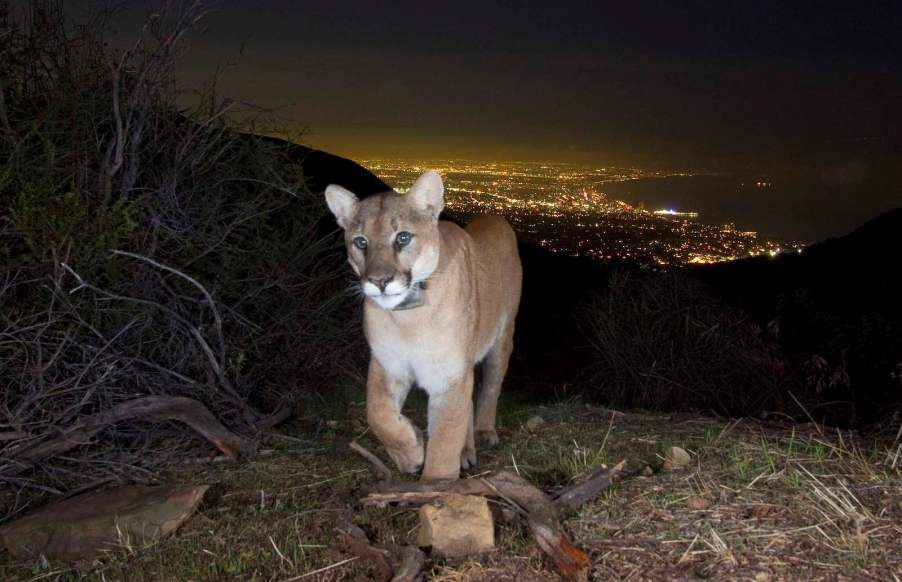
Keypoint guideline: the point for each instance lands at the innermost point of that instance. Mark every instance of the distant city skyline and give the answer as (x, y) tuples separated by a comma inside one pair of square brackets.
[(566, 208)]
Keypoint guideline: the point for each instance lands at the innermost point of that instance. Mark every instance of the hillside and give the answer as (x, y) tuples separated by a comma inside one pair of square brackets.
[(837, 301)]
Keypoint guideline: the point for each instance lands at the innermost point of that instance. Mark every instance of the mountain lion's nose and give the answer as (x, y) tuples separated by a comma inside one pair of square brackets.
[(381, 281)]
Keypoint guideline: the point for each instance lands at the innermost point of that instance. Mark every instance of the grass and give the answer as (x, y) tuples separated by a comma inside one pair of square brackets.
[(757, 502)]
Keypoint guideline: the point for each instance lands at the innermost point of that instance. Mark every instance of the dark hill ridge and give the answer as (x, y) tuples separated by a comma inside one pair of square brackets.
[(861, 265), (322, 168), (839, 301)]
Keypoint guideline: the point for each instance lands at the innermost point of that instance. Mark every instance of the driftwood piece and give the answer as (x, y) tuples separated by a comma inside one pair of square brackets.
[(578, 494), (540, 510), (393, 563), (186, 410), (92, 523)]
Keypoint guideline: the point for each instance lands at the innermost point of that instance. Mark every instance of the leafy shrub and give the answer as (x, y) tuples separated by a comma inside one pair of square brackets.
[(146, 249), (661, 341)]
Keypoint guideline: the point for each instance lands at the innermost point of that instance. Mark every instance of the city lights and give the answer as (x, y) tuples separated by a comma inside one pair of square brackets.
[(563, 208)]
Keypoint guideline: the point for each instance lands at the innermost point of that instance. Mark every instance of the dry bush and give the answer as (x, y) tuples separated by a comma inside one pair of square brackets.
[(662, 342), (146, 250)]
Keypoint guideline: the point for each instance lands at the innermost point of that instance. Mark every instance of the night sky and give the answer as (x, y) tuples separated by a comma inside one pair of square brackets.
[(761, 87)]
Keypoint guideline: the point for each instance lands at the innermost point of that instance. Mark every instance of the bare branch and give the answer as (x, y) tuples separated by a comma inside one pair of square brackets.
[(378, 466), (198, 286), (186, 410), (572, 497), (218, 371)]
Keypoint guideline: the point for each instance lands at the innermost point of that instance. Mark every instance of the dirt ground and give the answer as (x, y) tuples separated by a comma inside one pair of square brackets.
[(756, 502)]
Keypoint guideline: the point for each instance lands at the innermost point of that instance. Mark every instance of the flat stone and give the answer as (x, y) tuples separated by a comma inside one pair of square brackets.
[(89, 524), (676, 457), (457, 526), (534, 423)]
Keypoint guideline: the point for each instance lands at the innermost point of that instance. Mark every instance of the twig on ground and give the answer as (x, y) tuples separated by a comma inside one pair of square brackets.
[(576, 495), (378, 466), (321, 570)]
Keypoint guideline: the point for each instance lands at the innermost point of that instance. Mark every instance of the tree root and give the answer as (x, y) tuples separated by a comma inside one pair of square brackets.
[(393, 563)]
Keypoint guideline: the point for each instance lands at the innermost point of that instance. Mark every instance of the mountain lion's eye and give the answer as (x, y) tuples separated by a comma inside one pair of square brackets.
[(403, 238), (360, 243)]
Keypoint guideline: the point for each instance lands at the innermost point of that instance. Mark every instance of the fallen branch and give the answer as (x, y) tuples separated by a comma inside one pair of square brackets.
[(186, 410), (360, 546), (573, 497), (540, 510), (283, 413), (378, 466)]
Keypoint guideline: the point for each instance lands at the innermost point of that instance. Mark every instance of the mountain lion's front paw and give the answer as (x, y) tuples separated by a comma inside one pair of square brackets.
[(487, 437), (468, 458), (410, 458)]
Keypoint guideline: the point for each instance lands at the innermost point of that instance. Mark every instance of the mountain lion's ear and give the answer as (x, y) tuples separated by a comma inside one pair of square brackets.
[(342, 203), (427, 193)]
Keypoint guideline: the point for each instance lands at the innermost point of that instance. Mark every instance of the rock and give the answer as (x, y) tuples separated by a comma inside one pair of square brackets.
[(699, 503), (457, 526), (86, 525), (676, 457), (534, 423)]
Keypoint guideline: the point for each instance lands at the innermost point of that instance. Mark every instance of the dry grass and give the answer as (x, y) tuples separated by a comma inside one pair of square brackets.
[(756, 503)]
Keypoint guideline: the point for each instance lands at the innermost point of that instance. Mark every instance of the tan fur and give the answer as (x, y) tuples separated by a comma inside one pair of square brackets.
[(473, 279)]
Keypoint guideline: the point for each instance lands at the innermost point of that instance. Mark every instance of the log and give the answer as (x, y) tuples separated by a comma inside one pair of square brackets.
[(186, 410), (94, 523)]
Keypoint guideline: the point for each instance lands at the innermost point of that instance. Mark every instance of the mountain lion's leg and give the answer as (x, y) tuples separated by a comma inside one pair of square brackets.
[(449, 411), (494, 369), (468, 454), (384, 397)]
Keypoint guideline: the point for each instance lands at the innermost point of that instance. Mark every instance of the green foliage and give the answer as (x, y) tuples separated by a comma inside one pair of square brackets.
[(47, 219), (232, 294)]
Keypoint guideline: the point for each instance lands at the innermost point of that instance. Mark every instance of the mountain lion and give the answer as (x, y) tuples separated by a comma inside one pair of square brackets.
[(438, 300)]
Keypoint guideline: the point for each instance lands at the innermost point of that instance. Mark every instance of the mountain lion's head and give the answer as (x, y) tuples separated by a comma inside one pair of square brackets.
[(392, 239)]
